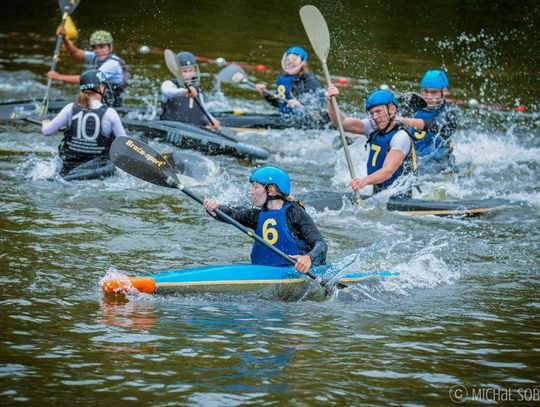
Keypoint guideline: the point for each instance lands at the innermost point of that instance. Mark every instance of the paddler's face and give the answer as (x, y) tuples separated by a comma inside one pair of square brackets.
[(101, 51), (188, 73), (258, 194), (381, 115), (293, 64), (434, 97)]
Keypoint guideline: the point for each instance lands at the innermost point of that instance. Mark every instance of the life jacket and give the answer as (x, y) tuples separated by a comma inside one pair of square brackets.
[(284, 92), (273, 228), (428, 143), (379, 147), (183, 108), (84, 139), (113, 91)]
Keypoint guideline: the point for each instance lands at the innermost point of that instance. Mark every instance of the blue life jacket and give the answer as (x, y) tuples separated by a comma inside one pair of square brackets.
[(284, 92), (379, 147), (272, 227), (428, 143)]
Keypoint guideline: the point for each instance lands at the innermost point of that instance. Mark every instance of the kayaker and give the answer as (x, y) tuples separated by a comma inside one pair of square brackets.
[(279, 219), (433, 126), (300, 95), (390, 153), (179, 102), (91, 126), (103, 59)]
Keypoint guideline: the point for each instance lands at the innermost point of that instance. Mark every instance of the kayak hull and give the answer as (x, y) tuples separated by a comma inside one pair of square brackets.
[(227, 278), (188, 136), (321, 200)]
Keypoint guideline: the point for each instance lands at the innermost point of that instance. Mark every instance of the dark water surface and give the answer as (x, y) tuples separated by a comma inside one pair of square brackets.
[(463, 312)]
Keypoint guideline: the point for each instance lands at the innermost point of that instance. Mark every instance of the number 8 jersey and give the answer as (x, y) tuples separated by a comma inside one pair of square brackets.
[(84, 138)]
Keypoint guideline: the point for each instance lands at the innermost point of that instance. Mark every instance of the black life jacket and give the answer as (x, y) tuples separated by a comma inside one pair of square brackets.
[(183, 108), (84, 139)]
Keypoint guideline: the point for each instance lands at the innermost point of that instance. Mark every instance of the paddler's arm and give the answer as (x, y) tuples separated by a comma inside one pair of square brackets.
[(246, 216), (303, 227), (214, 124), (62, 119), (350, 124), (70, 47), (55, 76), (418, 124)]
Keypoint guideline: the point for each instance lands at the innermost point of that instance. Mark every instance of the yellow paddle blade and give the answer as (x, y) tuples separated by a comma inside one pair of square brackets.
[(71, 31)]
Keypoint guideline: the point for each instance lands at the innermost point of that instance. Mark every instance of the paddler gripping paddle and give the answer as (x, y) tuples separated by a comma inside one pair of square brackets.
[(66, 7), (142, 161), (319, 37), (176, 70)]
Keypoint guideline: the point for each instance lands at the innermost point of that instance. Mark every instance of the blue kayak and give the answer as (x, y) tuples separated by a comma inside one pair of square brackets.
[(227, 278)]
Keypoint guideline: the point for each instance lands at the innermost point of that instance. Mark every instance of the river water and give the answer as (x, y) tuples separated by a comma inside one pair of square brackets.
[(464, 311)]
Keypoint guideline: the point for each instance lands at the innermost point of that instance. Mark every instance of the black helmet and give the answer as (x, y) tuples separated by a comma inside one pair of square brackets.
[(91, 79), (186, 59)]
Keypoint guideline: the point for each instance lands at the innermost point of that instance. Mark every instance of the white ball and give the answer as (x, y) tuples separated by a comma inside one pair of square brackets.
[(384, 87), (472, 102), (145, 49), (220, 61)]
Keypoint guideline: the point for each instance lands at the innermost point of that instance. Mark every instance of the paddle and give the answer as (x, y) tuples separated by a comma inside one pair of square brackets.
[(142, 161), (411, 102), (176, 70), (66, 7), (15, 116), (235, 75), (319, 36)]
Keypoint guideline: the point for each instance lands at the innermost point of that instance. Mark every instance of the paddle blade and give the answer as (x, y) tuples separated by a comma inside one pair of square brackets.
[(142, 161), (71, 30), (232, 74), (172, 64), (316, 30), (68, 5)]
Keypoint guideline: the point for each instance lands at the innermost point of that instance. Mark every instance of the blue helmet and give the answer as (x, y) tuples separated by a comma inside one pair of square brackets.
[(301, 52), (381, 97), (435, 79), (270, 175)]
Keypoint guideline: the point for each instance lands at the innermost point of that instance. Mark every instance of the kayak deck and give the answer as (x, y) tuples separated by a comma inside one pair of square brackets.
[(226, 278)]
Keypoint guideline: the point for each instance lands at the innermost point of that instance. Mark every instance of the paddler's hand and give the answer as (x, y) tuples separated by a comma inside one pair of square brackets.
[(55, 76), (261, 87), (191, 92), (303, 263), (332, 91), (215, 125), (61, 31), (210, 205), (358, 183), (293, 103)]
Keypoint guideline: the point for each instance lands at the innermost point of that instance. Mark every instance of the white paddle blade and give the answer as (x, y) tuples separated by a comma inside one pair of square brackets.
[(172, 63), (316, 30)]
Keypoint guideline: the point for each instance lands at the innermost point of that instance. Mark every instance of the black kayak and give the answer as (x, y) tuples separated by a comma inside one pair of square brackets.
[(321, 200), (98, 168), (192, 137), (265, 121)]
